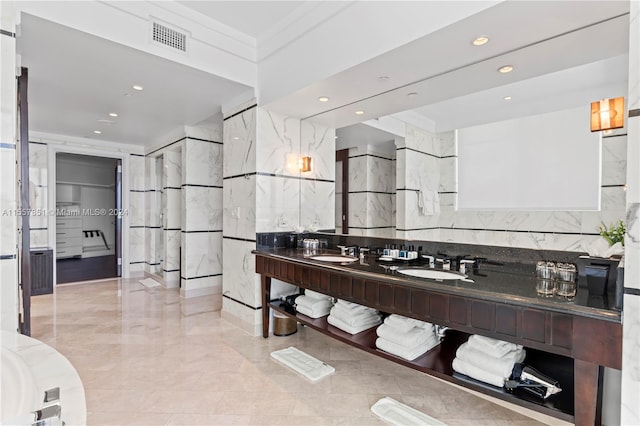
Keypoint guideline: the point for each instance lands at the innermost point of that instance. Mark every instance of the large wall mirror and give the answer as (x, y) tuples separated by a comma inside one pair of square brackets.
[(481, 151)]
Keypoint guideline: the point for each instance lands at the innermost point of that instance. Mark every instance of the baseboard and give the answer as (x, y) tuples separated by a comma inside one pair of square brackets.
[(202, 291), (252, 329)]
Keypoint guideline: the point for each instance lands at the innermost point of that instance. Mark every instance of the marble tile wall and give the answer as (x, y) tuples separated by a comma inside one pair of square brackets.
[(317, 187), (418, 162), (172, 216), (263, 191), (557, 230), (153, 224), (240, 284), (8, 223), (201, 228), (137, 213), (38, 191), (372, 192), (630, 409)]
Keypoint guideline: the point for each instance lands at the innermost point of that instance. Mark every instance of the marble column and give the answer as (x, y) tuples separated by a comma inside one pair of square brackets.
[(418, 174), (8, 175), (201, 235), (172, 216), (372, 192), (630, 409), (137, 203), (240, 284)]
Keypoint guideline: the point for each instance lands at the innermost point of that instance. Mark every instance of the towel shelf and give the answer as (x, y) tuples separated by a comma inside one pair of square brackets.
[(570, 347)]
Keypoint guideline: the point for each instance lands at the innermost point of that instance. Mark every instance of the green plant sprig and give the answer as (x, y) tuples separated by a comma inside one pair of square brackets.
[(613, 234)]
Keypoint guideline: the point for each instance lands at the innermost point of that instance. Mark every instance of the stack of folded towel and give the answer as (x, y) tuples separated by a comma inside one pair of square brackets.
[(313, 304), (405, 337), (488, 360), (353, 318)]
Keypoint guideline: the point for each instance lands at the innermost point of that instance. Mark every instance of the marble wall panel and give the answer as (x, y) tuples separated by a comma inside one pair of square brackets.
[(204, 208), (317, 208), (202, 163), (278, 145), (240, 144), (136, 208), (381, 174), (38, 168), (239, 211), (319, 142), (137, 172), (174, 213), (240, 281)]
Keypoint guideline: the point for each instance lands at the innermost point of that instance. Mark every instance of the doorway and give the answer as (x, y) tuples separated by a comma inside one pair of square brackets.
[(88, 235)]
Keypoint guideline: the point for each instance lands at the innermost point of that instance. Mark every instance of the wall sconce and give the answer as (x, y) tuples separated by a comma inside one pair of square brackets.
[(304, 164), (607, 114)]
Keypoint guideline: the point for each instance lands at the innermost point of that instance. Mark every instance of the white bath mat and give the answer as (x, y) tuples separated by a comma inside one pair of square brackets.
[(149, 283), (303, 363), (397, 413)]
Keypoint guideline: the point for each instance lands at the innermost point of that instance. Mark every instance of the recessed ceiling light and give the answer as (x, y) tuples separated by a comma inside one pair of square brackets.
[(505, 69), (323, 99), (127, 95), (359, 112), (235, 138), (412, 94), (97, 132), (113, 114), (335, 137), (105, 121), (480, 41), (383, 78), (507, 98), (137, 87)]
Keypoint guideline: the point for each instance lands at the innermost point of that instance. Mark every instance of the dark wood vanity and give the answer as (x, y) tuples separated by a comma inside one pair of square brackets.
[(567, 342)]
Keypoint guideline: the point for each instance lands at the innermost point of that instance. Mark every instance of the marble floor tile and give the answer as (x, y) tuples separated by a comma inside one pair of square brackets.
[(149, 357)]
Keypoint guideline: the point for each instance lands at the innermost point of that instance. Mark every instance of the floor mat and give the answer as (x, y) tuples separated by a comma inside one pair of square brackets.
[(397, 413), (303, 363), (149, 283)]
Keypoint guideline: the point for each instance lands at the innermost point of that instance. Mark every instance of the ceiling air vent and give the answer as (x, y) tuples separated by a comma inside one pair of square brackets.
[(169, 37)]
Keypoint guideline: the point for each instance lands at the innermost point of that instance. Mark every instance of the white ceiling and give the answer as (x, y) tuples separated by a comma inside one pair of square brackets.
[(254, 18), (538, 38), (76, 79), (360, 135)]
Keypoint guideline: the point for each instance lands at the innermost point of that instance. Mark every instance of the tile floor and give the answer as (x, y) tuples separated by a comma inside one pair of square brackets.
[(148, 357)]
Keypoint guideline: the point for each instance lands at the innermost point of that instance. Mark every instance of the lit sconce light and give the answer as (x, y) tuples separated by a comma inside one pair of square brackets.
[(607, 114), (304, 164)]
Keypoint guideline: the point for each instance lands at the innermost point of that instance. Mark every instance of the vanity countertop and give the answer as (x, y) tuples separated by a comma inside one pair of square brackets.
[(506, 283)]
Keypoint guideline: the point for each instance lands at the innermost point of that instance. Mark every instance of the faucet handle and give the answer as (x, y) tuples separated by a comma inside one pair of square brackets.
[(343, 249), (463, 265)]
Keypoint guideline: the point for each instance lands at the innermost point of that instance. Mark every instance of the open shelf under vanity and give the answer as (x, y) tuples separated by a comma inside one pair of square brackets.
[(437, 362)]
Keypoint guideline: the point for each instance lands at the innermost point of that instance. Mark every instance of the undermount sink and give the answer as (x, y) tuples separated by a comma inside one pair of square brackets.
[(434, 274), (333, 258)]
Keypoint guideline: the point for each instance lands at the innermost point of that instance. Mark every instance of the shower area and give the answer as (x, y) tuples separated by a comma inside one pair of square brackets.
[(164, 216)]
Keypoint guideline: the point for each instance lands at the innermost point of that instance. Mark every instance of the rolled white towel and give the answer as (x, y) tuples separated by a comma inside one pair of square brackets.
[(413, 337), (477, 373), (313, 312), (351, 329), (316, 295), (311, 303), (502, 366), (496, 348), (408, 353), (355, 317), (405, 324)]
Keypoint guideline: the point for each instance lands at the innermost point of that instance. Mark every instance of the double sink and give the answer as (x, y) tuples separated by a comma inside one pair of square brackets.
[(433, 274)]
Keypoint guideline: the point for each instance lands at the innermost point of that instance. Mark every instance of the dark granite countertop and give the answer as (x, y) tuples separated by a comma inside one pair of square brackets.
[(505, 283)]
